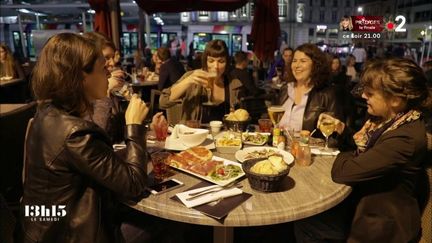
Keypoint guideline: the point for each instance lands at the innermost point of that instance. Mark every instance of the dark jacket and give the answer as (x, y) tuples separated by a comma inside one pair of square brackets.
[(71, 162), (169, 73), (387, 179), (320, 99), (248, 85)]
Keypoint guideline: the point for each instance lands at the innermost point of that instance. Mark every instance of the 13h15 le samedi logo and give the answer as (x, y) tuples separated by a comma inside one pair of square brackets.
[(44, 213)]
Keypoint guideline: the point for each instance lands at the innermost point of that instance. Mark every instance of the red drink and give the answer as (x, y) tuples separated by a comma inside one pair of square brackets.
[(265, 125), (161, 131), (160, 168)]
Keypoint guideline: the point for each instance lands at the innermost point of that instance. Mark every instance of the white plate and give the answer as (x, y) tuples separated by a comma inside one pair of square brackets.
[(177, 145), (241, 154), (254, 133), (208, 178)]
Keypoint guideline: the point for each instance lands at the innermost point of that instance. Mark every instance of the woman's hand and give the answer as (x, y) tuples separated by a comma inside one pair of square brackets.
[(157, 119), (116, 80), (199, 77), (339, 126), (136, 112)]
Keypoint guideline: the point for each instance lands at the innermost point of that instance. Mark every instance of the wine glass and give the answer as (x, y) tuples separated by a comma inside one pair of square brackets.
[(327, 127)]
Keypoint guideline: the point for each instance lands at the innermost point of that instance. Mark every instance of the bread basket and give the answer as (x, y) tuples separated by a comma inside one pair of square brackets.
[(262, 182)]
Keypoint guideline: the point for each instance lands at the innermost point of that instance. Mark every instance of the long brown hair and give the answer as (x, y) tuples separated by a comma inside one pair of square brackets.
[(320, 64), (59, 72), (399, 77), (8, 66)]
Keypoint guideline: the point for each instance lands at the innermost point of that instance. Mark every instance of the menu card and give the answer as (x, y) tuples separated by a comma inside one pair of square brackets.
[(220, 209)]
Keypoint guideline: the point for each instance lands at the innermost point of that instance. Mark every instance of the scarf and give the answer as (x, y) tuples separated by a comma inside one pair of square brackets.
[(372, 130)]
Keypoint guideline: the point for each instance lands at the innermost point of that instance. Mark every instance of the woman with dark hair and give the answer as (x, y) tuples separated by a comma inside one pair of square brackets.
[(71, 165), (308, 96), (209, 84), (386, 169)]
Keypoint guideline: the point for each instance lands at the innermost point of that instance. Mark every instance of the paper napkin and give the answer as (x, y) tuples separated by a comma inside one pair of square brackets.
[(318, 151), (210, 197)]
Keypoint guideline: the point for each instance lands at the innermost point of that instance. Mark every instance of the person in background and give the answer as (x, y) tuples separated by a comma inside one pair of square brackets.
[(351, 72), (386, 165), (138, 59), (195, 88), (117, 76), (156, 63), (240, 72), (171, 70), (74, 164), (9, 67), (117, 58), (309, 95), (337, 72), (360, 56), (285, 65)]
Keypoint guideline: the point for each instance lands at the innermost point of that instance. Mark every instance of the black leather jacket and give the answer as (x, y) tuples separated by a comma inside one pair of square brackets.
[(320, 99), (71, 162)]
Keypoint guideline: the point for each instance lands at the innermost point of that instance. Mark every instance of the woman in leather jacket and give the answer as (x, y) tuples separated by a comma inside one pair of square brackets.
[(306, 98), (71, 168)]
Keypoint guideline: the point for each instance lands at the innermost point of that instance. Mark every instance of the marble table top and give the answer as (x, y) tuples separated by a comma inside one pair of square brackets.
[(306, 191)]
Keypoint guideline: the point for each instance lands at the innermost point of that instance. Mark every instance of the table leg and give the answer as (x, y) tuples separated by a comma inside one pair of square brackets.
[(223, 234)]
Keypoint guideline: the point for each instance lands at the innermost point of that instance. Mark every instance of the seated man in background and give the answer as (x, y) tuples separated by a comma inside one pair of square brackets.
[(241, 80), (171, 70)]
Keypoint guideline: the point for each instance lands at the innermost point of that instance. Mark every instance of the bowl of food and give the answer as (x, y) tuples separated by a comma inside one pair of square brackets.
[(228, 142), (237, 120), (266, 175), (192, 137)]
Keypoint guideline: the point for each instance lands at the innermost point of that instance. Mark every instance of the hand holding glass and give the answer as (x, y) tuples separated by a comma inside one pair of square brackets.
[(327, 127)]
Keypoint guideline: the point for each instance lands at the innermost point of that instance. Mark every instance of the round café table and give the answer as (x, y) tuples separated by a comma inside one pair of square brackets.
[(306, 191)]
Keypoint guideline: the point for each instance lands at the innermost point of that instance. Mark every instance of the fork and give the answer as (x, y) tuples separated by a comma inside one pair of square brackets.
[(209, 191), (232, 184)]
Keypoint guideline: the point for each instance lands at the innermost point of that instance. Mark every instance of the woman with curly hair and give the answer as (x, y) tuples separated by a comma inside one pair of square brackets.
[(308, 96), (385, 168)]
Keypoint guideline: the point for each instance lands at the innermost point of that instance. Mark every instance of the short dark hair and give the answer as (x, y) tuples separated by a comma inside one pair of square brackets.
[(240, 57), (320, 65), (163, 53), (59, 71), (215, 48)]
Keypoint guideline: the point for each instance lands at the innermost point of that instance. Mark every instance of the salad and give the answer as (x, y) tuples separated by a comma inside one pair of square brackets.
[(255, 138), (225, 172)]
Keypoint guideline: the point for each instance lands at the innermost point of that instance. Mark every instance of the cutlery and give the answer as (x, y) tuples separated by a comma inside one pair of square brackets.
[(209, 191), (213, 187)]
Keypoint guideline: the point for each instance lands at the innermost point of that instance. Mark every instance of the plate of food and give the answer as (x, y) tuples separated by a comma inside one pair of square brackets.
[(255, 138), (200, 162), (263, 152)]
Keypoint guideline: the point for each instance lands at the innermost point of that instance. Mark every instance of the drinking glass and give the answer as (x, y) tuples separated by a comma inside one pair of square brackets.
[(161, 130), (327, 127), (265, 125), (159, 162)]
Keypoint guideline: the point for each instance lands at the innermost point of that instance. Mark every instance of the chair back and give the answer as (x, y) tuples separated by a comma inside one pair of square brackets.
[(154, 101), (12, 135), (24, 171), (426, 220), (174, 113)]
